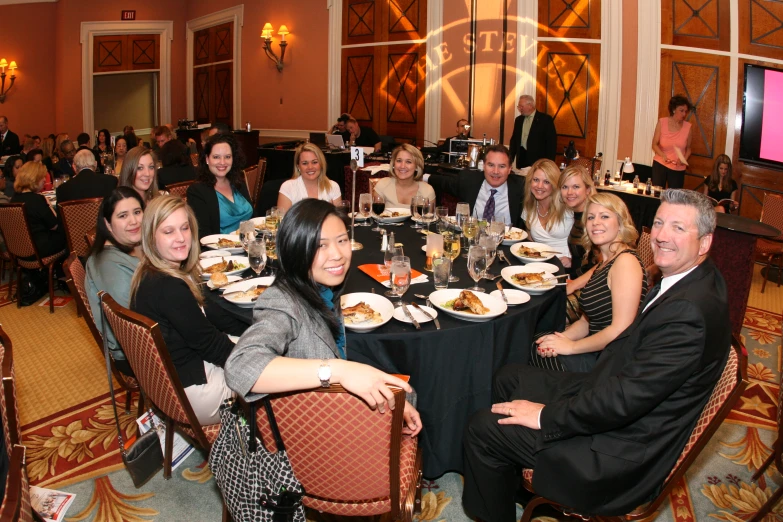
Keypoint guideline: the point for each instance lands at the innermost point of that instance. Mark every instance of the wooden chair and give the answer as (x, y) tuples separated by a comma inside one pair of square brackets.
[(254, 179), (149, 358), (772, 214), (89, 238), (362, 183), (372, 468), (587, 163), (646, 254), (16, 231), (75, 274), (5, 262), (179, 189), (79, 217), (726, 393)]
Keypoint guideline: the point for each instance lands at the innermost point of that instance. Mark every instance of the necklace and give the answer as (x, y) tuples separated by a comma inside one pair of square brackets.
[(539, 212)]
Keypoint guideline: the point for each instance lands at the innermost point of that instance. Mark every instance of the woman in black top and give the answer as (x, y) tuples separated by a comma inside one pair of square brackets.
[(165, 288), (47, 234), (177, 166), (10, 170), (103, 142), (721, 185)]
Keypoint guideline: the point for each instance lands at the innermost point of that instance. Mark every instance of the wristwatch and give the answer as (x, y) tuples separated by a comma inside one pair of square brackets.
[(324, 373)]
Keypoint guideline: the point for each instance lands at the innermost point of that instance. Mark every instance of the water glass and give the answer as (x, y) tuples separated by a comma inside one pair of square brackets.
[(343, 206), (490, 245), (442, 213), (365, 207), (256, 254), (391, 252), (417, 202), (441, 270), (428, 212), (400, 275), (247, 233), (477, 264)]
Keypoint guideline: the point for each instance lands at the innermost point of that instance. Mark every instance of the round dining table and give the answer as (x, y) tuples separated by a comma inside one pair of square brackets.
[(451, 369)]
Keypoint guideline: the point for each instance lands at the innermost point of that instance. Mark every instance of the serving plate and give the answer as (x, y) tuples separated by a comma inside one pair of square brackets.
[(495, 304), (535, 246), (231, 279), (509, 271), (405, 213), (211, 242), (245, 302), (376, 302), (243, 260), (507, 241)]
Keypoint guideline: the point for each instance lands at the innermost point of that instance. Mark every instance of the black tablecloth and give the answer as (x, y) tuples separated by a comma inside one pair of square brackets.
[(641, 207), (450, 369)]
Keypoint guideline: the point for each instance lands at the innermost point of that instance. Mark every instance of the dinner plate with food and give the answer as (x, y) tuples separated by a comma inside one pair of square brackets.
[(220, 280), (528, 252), (245, 293), (530, 280), (467, 305), (228, 242), (230, 265), (364, 312), (395, 215), (214, 253), (514, 235)]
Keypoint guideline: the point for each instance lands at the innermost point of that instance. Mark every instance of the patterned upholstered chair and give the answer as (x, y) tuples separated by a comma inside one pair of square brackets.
[(18, 239), (587, 163), (89, 238), (149, 358), (772, 214), (362, 183), (194, 159), (16, 502), (179, 189), (79, 217), (726, 393), (5, 262), (372, 468), (646, 254), (74, 273)]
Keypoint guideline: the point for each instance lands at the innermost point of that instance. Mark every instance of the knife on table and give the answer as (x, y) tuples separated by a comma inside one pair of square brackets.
[(502, 293), (409, 315), (425, 312)]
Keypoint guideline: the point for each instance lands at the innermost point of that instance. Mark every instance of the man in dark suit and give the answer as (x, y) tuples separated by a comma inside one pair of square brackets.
[(534, 135), (64, 167), (493, 193), (9, 142), (87, 183), (603, 442), (83, 141)]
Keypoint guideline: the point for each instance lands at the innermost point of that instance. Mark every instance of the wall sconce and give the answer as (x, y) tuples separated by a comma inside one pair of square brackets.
[(12, 68), (266, 34)]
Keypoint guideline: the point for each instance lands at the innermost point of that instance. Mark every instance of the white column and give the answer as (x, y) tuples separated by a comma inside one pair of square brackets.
[(648, 80), (432, 103), (335, 8), (731, 116), (611, 82), (526, 63)]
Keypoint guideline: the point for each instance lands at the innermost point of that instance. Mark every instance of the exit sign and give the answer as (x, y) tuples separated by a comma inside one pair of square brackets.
[(128, 15)]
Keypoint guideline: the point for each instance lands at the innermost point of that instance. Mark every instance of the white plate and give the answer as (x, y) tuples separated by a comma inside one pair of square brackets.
[(509, 271), (231, 279), (259, 222), (211, 242), (399, 314), (212, 260), (496, 305), (377, 302), (245, 302), (543, 267), (405, 214), (512, 241), (536, 246), (515, 297), (359, 216), (214, 253)]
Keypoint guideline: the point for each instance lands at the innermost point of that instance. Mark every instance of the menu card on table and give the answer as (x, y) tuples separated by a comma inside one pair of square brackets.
[(381, 274)]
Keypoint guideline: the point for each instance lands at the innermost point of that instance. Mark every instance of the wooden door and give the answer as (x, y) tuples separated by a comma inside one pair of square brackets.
[(213, 73)]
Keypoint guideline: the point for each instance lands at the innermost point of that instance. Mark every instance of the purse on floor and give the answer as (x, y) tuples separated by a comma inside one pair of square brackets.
[(256, 485), (145, 457)]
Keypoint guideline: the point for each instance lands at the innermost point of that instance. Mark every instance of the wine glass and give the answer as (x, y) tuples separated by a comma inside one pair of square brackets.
[(451, 248), (400, 276), (442, 213), (378, 206), (428, 212), (489, 243), (247, 233), (272, 220), (417, 202), (365, 206), (391, 252), (477, 263), (463, 210), (256, 255), (469, 229), (344, 206)]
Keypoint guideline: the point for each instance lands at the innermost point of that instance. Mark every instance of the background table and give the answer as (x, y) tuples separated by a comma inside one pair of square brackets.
[(451, 369)]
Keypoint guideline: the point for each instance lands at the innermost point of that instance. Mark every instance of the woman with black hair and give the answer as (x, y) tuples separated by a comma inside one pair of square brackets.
[(103, 141), (297, 341), (114, 257), (175, 157), (672, 144), (10, 169), (219, 197)]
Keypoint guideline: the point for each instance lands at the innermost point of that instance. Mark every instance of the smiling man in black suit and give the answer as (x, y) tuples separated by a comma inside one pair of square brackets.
[(534, 135), (602, 443)]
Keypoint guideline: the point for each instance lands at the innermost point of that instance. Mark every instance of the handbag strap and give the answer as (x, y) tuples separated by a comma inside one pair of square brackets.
[(273, 424)]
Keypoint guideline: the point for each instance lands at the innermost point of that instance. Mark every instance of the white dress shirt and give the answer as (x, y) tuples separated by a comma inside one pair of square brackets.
[(502, 211), (666, 283)]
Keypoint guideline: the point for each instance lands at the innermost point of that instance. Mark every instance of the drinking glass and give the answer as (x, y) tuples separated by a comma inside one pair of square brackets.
[(400, 276), (463, 210), (428, 212), (391, 252), (451, 248), (272, 220), (256, 255), (365, 206), (469, 229), (441, 267), (442, 213), (477, 263), (344, 206), (490, 246), (378, 206), (247, 233), (417, 202)]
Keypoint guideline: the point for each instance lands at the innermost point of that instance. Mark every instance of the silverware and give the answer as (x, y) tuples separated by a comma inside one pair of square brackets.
[(422, 296), (491, 277), (502, 293), (372, 290), (425, 312), (409, 315), (503, 257)]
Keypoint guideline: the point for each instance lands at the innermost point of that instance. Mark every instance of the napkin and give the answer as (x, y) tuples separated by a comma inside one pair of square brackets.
[(375, 169)]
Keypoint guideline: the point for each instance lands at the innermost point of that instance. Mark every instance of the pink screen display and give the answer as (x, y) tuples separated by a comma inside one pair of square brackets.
[(772, 123)]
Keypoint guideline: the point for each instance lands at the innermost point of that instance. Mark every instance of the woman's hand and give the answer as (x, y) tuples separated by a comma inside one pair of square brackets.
[(412, 420), (368, 383), (555, 344), (566, 261)]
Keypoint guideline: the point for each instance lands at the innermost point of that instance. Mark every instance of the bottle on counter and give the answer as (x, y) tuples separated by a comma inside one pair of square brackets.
[(636, 181), (562, 166), (608, 178), (648, 188)]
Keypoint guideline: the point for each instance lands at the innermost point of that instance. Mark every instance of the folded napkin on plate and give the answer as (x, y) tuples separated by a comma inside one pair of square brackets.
[(381, 274), (375, 169)]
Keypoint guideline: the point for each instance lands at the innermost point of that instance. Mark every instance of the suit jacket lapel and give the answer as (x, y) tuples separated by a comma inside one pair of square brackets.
[(323, 333)]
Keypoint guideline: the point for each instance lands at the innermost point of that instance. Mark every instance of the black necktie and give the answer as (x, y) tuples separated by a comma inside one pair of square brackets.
[(652, 294)]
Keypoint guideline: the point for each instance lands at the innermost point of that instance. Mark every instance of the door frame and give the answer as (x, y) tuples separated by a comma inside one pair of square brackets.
[(232, 14), (91, 29)]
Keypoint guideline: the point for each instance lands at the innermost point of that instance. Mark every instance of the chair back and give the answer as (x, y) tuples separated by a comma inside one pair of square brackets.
[(587, 163), (15, 230), (251, 178), (772, 212), (179, 189), (644, 249), (74, 278), (194, 159), (8, 404), (256, 194), (361, 446), (362, 183), (16, 502), (146, 351), (79, 217), (89, 238)]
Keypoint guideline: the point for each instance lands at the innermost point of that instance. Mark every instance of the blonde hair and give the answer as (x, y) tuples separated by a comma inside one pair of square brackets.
[(29, 176), (189, 271), (47, 147), (557, 208), (627, 234), (323, 180), (576, 170), (418, 159), (128, 171)]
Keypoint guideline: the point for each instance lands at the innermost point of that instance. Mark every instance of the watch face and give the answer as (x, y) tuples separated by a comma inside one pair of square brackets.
[(324, 373)]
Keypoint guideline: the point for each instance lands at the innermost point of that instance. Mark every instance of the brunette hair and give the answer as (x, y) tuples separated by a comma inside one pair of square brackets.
[(678, 100), (714, 182), (105, 213), (235, 176), (128, 171)]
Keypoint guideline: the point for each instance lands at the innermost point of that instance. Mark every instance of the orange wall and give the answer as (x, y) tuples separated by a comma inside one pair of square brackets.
[(628, 92), (30, 104)]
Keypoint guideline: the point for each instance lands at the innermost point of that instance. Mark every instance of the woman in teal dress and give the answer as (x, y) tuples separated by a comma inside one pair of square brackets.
[(219, 197)]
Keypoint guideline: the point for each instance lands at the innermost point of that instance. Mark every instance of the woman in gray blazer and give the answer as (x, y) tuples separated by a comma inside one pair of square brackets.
[(297, 341)]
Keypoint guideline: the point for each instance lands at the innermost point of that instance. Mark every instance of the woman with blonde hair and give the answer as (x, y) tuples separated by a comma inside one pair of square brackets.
[(546, 217), (721, 185), (49, 158), (45, 228), (140, 172), (611, 297), (309, 179), (575, 186), (165, 287), (63, 136), (407, 168)]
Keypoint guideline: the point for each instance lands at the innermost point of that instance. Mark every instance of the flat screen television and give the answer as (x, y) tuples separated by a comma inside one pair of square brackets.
[(761, 141)]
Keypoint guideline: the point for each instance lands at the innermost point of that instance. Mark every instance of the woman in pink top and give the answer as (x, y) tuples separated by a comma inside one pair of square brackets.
[(671, 134)]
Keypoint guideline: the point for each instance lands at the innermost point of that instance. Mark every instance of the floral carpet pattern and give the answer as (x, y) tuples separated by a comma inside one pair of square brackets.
[(79, 444)]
